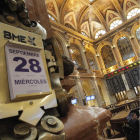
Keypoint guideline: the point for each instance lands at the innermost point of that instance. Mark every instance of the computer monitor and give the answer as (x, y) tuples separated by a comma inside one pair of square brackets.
[(74, 101), (92, 97), (88, 98)]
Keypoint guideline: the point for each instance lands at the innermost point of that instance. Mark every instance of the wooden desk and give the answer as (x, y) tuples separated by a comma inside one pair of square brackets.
[(118, 120), (121, 117)]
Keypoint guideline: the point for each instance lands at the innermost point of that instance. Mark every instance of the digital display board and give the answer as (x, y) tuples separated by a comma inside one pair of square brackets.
[(92, 97)]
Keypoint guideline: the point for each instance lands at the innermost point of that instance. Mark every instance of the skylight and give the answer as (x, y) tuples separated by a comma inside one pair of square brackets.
[(133, 12), (99, 33), (115, 24)]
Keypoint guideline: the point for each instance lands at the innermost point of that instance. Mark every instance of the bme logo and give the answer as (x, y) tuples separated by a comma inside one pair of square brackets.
[(20, 38)]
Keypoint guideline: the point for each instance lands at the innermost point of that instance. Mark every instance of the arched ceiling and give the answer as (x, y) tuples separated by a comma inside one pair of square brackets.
[(96, 14)]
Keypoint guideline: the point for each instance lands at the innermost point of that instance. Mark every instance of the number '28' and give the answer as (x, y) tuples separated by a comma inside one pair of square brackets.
[(34, 65)]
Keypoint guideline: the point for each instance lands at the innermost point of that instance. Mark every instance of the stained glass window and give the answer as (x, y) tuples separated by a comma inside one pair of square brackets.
[(133, 12), (115, 24), (108, 56), (91, 60), (125, 48), (83, 33), (51, 17), (138, 34), (99, 33)]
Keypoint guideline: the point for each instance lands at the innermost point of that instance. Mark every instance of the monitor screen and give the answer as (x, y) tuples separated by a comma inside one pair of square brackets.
[(92, 97), (88, 98), (74, 101)]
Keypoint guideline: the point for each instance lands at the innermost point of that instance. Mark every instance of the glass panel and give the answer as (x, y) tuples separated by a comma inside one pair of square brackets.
[(108, 56), (138, 34), (125, 48)]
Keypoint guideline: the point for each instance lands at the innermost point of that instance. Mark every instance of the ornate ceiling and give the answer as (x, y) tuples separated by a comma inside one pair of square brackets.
[(89, 17)]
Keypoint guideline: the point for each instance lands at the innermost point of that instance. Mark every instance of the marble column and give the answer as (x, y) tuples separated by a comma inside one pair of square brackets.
[(115, 56), (134, 48), (88, 65), (84, 58), (119, 57), (100, 63), (97, 92), (80, 93)]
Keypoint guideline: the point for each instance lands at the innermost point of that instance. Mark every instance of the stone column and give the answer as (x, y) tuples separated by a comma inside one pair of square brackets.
[(115, 56), (100, 63), (88, 69), (80, 94), (135, 49), (84, 58), (119, 57), (97, 92)]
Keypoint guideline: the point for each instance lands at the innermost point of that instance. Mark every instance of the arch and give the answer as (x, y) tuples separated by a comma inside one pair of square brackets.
[(62, 40), (83, 12), (115, 39), (89, 90), (85, 28), (133, 35), (53, 10), (108, 56), (104, 43), (126, 10), (70, 19), (91, 59), (99, 33), (112, 16), (74, 91), (81, 49), (115, 23), (93, 51), (99, 54), (98, 27)]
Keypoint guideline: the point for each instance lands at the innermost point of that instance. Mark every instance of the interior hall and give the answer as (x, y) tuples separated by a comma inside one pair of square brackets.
[(89, 53)]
